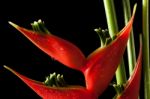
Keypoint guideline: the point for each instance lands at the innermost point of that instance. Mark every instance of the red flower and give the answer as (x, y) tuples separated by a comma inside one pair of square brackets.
[(98, 68), (46, 92), (132, 87), (58, 48)]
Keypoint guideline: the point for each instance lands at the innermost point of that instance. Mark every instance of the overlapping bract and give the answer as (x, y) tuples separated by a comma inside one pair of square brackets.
[(98, 68), (132, 87)]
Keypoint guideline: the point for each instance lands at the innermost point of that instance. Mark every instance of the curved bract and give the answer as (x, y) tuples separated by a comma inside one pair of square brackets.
[(132, 87), (98, 69), (56, 47), (103, 62), (70, 92)]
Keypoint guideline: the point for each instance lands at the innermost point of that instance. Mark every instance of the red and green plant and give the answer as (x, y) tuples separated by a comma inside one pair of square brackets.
[(99, 67)]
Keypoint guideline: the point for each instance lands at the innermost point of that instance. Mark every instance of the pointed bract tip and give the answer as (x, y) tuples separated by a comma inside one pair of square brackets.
[(13, 24), (8, 68), (134, 8), (5, 66)]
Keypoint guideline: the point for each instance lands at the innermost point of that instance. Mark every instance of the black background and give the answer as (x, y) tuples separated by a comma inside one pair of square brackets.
[(73, 20)]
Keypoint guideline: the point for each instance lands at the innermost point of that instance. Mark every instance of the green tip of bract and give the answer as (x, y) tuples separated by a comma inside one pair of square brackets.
[(6, 67), (135, 7), (13, 24)]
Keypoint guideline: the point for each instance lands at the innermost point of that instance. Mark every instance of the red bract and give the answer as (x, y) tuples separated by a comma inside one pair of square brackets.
[(133, 85), (58, 48), (103, 62), (98, 69), (46, 92)]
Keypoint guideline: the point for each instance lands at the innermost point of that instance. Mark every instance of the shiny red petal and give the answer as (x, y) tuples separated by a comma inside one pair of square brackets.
[(133, 85), (103, 62), (70, 92), (58, 48)]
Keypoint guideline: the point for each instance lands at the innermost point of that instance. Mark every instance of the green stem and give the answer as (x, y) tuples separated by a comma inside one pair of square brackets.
[(146, 59), (121, 74), (130, 44), (113, 28), (111, 17)]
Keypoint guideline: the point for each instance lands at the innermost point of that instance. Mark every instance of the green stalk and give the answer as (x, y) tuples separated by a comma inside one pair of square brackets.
[(130, 44), (146, 59), (113, 28)]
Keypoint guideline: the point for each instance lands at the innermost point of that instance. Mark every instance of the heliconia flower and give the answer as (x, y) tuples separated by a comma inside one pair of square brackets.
[(46, 92), (102, 63), (98, 68), (132, 86), (56, 47)]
